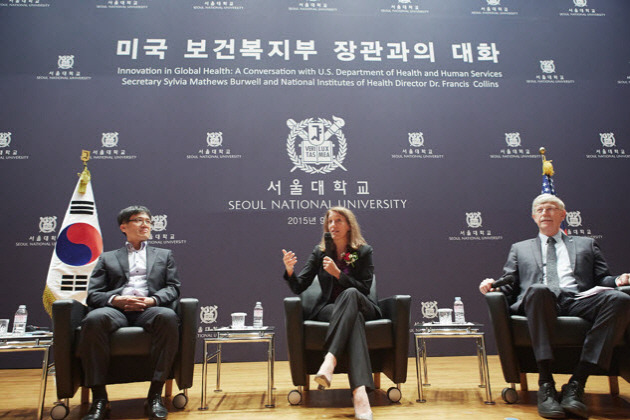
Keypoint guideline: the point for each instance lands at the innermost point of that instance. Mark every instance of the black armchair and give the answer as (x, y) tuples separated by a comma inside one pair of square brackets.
[(517, 356), (387, 338), (130, 350)]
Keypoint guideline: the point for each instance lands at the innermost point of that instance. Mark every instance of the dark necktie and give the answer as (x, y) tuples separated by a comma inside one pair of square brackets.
[(553, 282)]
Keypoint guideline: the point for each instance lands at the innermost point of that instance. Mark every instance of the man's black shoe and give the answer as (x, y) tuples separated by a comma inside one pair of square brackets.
[(98, 411), (572, 399), (548, 405), (155, 407)]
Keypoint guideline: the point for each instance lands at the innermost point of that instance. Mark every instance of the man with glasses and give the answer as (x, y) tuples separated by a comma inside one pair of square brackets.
[(550, 270), (132, 286)]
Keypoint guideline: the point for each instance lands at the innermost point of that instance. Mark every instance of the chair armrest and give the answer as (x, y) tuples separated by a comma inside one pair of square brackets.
[(625, 289), (398, 309), (502, 328), (66, 315), (294, 326), (185, 366)]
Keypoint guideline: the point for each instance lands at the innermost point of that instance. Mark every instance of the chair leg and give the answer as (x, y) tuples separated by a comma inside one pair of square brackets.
[(524, 386), (613, 382), (168, 388), (307, 387), (377, 380), (85, 395)]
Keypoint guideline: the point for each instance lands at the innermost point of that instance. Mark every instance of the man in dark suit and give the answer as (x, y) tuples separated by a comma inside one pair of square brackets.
[(550, 270), (132, 286)]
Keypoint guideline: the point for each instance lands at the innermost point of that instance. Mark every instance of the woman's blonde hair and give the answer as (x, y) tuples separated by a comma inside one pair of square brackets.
[(355, 239)]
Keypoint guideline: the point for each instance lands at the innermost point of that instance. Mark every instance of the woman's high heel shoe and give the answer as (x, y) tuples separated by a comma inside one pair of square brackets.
[(323, 380), (368, 416)]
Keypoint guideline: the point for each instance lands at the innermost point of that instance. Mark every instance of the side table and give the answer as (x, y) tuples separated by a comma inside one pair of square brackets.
[(424, 331), (39, 341), (244, 335)]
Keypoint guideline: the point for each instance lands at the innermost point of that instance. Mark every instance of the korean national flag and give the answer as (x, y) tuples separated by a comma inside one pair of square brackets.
[(79, 244)]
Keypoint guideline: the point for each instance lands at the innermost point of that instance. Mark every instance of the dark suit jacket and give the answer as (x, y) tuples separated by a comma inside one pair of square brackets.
[(359, 277), (525, 264), (111, 273)]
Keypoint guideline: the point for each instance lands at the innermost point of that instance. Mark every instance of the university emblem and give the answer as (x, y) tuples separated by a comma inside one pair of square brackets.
[(5, 139), (214, 139), (159, 222), (65, 62), (47, 224), (574, 219), (547, 66), (208, 314), (416, 139), (579, 3), (109, 139), (513, 139), (473, 220), (315, 154), (494, 2), (429, 309), (607, 139)]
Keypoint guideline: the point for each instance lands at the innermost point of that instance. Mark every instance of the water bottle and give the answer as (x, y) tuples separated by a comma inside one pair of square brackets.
[(258, 315), (19, 321), (458, 309)]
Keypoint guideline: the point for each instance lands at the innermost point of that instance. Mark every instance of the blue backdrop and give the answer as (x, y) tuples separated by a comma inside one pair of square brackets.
[(239, 122)]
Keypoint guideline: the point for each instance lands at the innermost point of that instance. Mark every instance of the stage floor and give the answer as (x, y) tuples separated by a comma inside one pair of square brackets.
[(453, 394)]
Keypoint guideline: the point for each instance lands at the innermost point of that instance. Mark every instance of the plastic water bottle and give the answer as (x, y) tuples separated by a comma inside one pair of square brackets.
[(458, 309), (258, 315), (19, 321)]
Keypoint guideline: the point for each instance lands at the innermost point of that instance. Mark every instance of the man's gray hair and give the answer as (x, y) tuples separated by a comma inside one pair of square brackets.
[(547, 198)]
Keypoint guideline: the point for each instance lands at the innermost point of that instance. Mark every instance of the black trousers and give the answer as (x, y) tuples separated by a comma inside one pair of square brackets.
[(346, 334), (609, 311), (162, 323)]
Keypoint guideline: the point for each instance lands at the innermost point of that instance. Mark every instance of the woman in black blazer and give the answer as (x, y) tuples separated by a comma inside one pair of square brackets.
[(342, 261)]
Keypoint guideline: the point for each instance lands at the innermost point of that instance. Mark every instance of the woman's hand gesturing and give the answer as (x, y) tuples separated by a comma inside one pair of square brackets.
[(289, 259)]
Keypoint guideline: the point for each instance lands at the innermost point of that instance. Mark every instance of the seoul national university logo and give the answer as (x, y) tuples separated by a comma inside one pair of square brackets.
[(47, 224), (429, 309), (65, 62), (316, 147), (159, 222), (513, 139), (208, 314), (494, 2), (574, 219), (214, 139), (109, 139), (547, 66), (607, 139), (579, 3), (5, 139), (473, 220), (416, 139)]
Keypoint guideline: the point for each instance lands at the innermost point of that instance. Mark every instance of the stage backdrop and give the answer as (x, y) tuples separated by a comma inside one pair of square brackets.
[(240, 122)]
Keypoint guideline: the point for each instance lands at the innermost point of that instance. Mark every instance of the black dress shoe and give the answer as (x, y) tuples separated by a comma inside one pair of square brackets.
[(572, 399), (98, 411), (548, 405), (155, 408)]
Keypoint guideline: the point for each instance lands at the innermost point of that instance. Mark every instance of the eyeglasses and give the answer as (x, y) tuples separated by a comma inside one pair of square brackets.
[(141, 222), (541, 210)]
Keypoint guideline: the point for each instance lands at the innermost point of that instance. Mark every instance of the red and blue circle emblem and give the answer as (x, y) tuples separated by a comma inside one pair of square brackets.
[(79, 244)]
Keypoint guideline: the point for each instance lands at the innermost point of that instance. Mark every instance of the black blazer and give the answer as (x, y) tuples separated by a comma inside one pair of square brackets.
[(360, 277), (111, 273)]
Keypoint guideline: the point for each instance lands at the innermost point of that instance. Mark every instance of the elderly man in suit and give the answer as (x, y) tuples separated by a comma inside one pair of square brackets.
[(132, 286), (550, 270)]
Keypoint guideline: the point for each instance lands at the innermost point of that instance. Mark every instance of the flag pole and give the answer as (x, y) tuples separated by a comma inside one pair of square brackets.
[(85, 176)]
